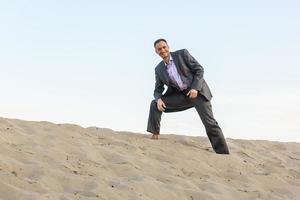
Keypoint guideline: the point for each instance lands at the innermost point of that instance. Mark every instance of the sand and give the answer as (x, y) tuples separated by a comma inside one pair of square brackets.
[(43, 160)]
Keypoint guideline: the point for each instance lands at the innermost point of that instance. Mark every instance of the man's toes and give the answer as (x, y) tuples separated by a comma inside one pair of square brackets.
[(154, 137)]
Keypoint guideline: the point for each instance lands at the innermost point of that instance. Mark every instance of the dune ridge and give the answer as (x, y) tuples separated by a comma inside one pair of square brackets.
[(43, 160)]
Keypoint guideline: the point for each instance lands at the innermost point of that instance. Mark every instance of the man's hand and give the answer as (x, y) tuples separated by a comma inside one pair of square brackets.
[(192, 93), (161, 105)]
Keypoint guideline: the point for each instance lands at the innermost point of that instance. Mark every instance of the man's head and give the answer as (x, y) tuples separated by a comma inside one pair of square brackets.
[(162, 49)]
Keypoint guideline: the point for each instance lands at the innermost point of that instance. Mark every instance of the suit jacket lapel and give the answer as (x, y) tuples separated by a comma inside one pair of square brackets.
[(164, 73)]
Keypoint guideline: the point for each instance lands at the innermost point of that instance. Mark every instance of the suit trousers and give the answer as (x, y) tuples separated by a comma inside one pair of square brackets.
[(178, 101)]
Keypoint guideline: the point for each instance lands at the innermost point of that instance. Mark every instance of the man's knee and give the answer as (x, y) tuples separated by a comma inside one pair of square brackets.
[(211, 121)]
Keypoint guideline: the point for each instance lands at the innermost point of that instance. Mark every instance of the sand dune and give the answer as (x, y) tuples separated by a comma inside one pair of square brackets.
[(42, 161)]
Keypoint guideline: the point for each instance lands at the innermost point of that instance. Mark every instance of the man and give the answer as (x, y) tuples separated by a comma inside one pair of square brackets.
[(186, 89)]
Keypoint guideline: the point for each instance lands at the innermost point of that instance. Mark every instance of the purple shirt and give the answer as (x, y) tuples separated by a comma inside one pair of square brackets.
[(174, 75)]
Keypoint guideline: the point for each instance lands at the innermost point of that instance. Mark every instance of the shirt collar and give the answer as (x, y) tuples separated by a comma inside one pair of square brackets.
[(171, 60)]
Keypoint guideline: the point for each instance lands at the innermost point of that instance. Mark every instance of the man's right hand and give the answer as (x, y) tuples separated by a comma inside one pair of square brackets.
[(161, 105)]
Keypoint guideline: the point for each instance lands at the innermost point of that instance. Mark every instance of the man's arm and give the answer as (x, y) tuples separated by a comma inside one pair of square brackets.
[(196, 69), (159, 87)]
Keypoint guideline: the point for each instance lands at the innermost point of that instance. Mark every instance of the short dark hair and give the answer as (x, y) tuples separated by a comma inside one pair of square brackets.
[(160, 40)]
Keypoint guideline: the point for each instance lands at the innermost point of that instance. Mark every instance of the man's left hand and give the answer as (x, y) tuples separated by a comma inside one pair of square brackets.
[(192, 93)]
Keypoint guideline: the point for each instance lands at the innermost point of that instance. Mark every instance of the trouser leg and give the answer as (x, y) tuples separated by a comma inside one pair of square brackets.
[(154, 119), (174, 102), (212, 128)]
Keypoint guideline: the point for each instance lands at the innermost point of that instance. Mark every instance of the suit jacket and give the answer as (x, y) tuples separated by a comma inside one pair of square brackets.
[(191, 73)]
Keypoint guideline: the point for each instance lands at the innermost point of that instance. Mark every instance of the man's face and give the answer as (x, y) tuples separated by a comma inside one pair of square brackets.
[(162, 49)]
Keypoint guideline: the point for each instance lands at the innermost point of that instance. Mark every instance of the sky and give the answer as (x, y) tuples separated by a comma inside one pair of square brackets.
[(92, 63)]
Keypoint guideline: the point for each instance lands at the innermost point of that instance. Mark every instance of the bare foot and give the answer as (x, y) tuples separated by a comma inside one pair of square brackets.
[(154, 137)]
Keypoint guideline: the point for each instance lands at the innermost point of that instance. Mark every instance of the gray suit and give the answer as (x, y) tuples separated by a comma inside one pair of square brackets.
[(191, 73)]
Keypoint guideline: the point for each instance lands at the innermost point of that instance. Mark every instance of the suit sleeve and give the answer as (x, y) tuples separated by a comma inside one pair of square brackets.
[(196, 69), (159, 87)]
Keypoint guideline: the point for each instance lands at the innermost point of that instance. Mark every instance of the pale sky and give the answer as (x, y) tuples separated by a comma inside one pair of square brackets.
[(92, 63)]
